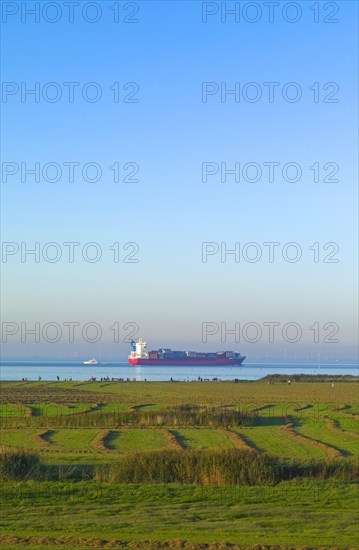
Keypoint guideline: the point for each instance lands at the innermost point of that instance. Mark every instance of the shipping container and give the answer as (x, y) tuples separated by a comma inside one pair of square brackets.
[(179, 354)]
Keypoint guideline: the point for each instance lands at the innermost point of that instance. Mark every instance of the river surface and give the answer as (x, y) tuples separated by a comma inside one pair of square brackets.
[(50, 370)]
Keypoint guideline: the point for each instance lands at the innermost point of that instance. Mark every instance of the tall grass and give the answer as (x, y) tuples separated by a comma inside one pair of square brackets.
[(18, 465), (327, 469), (186, 415), (226, 467), (218, 467)]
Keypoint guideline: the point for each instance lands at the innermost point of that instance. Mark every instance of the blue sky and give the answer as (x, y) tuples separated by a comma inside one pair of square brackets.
[(170, 292)]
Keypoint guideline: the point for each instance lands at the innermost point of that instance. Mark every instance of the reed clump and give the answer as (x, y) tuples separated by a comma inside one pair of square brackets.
[(18, 465), (220, 467), (185, 415), (213, 467)]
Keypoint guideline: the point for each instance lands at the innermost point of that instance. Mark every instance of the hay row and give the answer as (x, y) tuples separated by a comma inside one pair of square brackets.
[(289, 429), (237, 440), (41, 438), (44, 542), (344, 409), (172, 439), (305, 407), (333, 426), (99, 442)]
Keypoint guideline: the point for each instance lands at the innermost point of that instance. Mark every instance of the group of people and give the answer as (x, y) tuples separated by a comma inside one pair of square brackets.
[(108, 379)]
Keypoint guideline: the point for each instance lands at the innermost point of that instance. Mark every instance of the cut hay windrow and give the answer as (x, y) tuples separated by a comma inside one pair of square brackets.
[(238, 440), (333, 426), (304, 408), (331, 451), (28, 411), (172, 439), (63, 541), (261, 408), (99, 443), (90, 409), (345, 409), (41, 438)]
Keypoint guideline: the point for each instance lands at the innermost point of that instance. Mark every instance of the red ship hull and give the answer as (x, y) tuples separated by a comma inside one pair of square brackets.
[(192, 362)]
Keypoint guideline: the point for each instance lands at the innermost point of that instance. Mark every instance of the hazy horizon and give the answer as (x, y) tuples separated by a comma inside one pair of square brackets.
[(178, 170)]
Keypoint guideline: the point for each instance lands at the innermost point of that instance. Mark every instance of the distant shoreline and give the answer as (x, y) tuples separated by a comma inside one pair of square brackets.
[(275, 378)]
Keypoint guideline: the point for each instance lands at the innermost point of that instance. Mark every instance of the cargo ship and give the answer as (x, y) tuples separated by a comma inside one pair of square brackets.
[(167, 357)]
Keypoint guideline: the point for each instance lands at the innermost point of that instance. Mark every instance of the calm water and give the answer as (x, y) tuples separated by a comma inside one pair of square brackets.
[(49, 370)]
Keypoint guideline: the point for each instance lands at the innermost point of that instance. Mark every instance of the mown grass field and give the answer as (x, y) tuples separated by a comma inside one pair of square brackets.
[(289, 514), (202, 438), (124, 441), (314, 420), (81, 425)]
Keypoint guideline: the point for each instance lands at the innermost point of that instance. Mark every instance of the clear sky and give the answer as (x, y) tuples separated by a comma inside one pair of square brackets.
[(141, 87)]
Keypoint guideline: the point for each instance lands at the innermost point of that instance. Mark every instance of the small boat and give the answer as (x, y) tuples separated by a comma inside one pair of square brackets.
[(91, 362)]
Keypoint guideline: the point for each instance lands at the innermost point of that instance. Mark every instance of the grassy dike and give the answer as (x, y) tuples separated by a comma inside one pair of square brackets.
[(197, 466)]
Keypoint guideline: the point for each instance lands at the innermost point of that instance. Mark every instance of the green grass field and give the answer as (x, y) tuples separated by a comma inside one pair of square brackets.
[(273, 440), (52, 409), (76, 425), (323, 421), (142, 440), (72, 440), (291, 514), (20, 438), (202, 438), (257, 393)]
